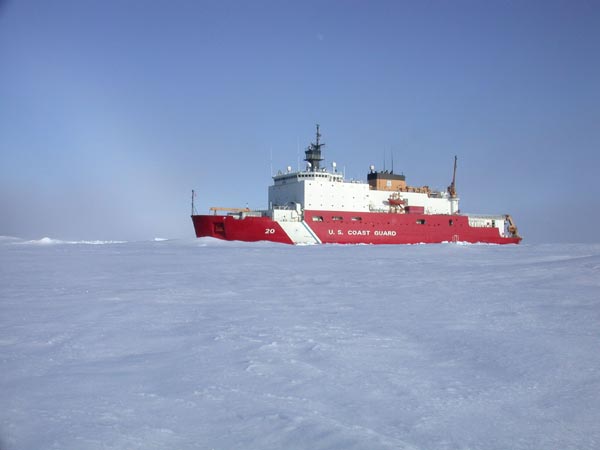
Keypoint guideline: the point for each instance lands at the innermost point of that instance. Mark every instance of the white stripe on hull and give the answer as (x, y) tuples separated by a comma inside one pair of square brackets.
[(299, 232)]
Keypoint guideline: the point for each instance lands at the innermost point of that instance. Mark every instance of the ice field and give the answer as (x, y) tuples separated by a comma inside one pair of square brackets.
[(201, 344)]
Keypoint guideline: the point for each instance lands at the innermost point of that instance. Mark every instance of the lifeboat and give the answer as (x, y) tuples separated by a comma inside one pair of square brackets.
[(396, 201)]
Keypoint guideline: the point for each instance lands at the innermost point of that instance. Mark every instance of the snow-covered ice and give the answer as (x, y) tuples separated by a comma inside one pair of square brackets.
[(202, 344)]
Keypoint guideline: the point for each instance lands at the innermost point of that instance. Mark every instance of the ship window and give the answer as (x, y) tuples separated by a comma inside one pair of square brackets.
[(337, 218), (317, 218), (450, 222), (357, 219), (421, 221)]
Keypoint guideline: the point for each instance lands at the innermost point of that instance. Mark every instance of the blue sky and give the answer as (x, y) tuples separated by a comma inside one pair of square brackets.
[(112, 111)]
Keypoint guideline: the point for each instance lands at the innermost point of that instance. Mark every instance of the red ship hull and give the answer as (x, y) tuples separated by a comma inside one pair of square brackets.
[(329, 227), (249, 229)]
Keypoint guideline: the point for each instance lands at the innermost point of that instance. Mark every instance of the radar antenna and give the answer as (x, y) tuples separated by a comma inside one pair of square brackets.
[(313, 153)]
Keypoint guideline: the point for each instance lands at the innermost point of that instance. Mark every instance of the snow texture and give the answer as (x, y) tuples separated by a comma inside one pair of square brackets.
[(203, 344)]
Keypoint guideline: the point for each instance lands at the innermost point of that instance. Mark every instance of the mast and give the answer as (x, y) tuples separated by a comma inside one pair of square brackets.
[(313, 153), (452, 187)]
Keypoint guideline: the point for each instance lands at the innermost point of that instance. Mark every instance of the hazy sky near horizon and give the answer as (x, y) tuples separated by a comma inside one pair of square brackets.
[(112, 111)]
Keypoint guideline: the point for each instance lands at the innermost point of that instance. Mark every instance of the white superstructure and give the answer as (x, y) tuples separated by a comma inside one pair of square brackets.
[(328, 191)]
